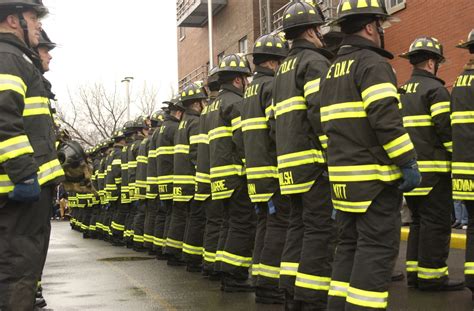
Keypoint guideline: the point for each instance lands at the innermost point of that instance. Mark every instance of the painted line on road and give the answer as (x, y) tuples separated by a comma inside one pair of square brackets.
[(457, 240)]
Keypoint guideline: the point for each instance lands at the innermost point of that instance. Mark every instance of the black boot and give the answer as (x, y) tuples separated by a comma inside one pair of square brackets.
[(269, 295), (175, 261), (233, 285), (291, 304), (447, 286), (397, 276), (194, 267)]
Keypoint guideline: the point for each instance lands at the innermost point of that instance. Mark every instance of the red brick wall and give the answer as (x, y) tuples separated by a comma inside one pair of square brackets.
[(447, 20)]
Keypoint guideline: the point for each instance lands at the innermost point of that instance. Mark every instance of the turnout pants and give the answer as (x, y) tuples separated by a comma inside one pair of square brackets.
[(139, 224), (177, 227), (430, 233), (269, 241), (213, 211), (23, 235), (366, 253), (150, 216), (194, 234), (317, 252), (118, 220), (237, 235), (161, 224), (469, 264), (128, 235)]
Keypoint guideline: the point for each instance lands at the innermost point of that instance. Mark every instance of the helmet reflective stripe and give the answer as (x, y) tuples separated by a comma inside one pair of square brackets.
[(425, 45)]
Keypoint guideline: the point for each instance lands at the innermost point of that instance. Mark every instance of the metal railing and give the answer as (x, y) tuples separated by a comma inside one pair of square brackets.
[(182, 6), (198, 74)]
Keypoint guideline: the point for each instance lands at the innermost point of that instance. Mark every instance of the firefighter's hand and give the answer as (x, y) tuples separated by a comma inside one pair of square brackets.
[(27, 190), (411, 176)]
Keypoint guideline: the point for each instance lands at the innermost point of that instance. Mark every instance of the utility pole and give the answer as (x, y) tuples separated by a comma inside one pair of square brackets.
[(127, 81), (209, 24)]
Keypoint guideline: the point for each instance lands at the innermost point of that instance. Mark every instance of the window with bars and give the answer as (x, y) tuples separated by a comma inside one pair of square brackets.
[(395, 5), (243, 45)]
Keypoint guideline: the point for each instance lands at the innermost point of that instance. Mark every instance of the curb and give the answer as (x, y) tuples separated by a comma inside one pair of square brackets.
[(458, 240)]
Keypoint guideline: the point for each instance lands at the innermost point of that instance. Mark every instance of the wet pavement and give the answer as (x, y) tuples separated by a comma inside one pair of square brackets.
[(93, 275)]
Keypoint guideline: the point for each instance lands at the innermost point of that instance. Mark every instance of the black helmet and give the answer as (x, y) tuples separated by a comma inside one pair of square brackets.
[(468, 43), (213, 80), (193, 92), (44, 41), (234, 63), (425, 45), (12, 6), (174, 104), (128, 128), (142, 121), (71, 154), (118, 135), (302, 14), (359, 8), (157, 118), (272, 45)]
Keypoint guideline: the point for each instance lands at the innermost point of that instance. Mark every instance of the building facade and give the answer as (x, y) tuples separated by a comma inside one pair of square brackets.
[(238, 23)]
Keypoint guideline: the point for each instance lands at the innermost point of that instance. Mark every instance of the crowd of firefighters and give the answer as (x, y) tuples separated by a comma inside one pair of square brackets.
[(294, 171)]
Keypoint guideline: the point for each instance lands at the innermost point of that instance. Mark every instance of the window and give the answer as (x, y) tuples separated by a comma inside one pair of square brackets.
[(395, 5), (181, 33), (243, 45)]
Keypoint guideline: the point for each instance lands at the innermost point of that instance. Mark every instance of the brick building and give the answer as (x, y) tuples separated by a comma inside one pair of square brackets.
[(237, 23)]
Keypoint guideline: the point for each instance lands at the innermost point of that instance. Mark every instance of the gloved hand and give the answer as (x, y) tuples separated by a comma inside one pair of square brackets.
[(411, 176), (27, 190)]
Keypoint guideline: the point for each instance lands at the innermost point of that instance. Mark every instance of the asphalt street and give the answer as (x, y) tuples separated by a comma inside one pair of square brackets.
[(93, 275)]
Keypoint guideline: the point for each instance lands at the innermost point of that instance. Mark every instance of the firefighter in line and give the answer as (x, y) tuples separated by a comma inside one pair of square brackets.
[(462, 122), (29, 165), (164, 164), (213, 208), (371, 159), (301, 160), (273, 209), (188, 218), (426, 117), (227, 173)]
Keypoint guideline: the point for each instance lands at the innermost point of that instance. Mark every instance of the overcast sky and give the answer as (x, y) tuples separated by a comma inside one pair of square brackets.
[(106, 40)]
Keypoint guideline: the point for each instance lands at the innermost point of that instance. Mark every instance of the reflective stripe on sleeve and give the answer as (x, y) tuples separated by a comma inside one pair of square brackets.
[(355, 173), (181, 149), (300, 158), (463, 168), (12, 83), (351, 207), (220, 132), (290, 104), (198, 139), (227, 170), (164, 150), (439, 108), (420, 191), (417, 121), (36, 106), (378, 92), (343, 111), (399, 146), (14, 147), (461, 117), (311, 87), (259, 123), (262, 172), (236, 123)]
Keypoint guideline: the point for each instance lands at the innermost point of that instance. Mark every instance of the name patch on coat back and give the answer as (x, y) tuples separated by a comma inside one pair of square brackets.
[(466, 185)]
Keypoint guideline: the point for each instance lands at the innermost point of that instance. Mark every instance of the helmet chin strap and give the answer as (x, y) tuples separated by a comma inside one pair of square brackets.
[(24, 26), (320, 37), (381, 33)]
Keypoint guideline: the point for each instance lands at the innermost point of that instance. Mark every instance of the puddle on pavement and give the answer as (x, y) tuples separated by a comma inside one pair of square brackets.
[(138, 292), (126, 258)]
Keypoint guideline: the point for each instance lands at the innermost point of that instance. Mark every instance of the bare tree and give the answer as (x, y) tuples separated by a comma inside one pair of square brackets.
[(147, 99), (94, 114)]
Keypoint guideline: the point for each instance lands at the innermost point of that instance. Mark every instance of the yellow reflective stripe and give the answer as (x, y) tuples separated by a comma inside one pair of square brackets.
[(124, 166), (311, 87), (148, 238), (338, 289), (199, 139), (236, 123), (158, 241), (132, 164), (432, 273), (434, 166), (343, 111), (399, 146), (259, 123), (460, 117), (269, 112), (378, 92), (138, 238), (202, 177), (268, 271), (6, 185), (12, 83), (166, 196), (193, 250), (255, 269), (312, 281), (367, 298), (227, 170), (117, 226), (164, 150), (49, 171), (262, 172), (165, 179), (142, 159), (209, 256), (289, 268), (412, 266), (14, 147), (463, 168), (184, 179), (181, 149), (356, 173), (469, 267), (417, 121), (201, 197), (419, 191), (222, 195), (260, 197), (290, 104), (323, 139), (439, 108), (351, 207), (300, 158), (296, 188), (448, 146), (220, 132), (234, 260), (36, 106), (174, 243), (152, 180)]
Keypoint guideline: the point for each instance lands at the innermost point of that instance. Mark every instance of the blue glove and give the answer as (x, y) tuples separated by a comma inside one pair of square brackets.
[(411, 176), (27, 190), (271, 208)]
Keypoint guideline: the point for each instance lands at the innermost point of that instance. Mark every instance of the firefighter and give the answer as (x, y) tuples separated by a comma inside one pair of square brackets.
[(426, 117), (301, 160), (141, 132), (213, 208), (228, 184), (151, 191), (371, 159), (187, 216), (462, 112), (29, 165), (273, 209), (118, 175), (164, 163)]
